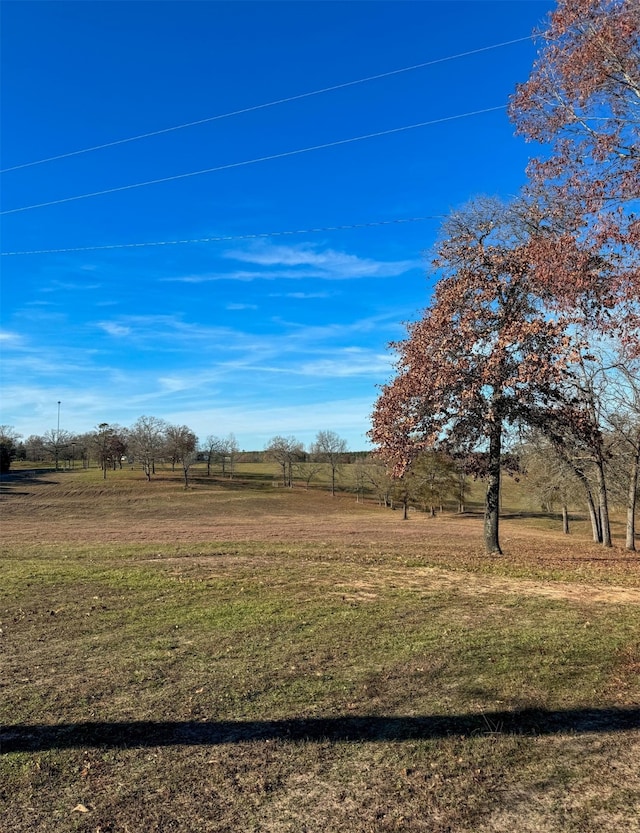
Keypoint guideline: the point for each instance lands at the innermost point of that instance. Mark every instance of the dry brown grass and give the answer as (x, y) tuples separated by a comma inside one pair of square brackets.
[(306, 663)]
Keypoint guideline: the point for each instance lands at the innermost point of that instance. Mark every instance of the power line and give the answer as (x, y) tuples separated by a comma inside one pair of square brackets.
[(226, 238), (254, 161), (265, 105)]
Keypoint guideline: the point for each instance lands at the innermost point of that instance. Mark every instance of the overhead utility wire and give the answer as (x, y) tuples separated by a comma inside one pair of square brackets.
[(226, 238), (253, 161), (265, 105)]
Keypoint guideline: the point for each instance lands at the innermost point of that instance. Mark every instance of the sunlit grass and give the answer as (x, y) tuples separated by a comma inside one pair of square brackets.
[(355, 616)]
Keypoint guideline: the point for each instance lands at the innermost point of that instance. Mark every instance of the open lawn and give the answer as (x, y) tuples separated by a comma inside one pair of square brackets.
[(263, 659)]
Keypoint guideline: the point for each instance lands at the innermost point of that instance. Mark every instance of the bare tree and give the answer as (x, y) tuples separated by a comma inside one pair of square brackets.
[(359, 478), (211, 447), (375, 475), (55, 442), (34, 446), (330, 449), (187, 459), (180, 441), (285, 451), (224, 450), (624, 421), (230, 450), (147, 440), (550, 478), (110, 442), (307, 470), (596, 431), (84, 445)]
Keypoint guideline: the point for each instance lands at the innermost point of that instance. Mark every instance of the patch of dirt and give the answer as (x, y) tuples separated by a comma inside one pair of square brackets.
[(420, 578), (479, 584)]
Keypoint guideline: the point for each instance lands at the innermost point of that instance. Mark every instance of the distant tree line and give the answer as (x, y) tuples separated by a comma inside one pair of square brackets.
[(151, 441), (435, 479)]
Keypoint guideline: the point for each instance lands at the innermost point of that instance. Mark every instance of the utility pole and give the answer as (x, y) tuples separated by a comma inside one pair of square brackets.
[(57, 447)]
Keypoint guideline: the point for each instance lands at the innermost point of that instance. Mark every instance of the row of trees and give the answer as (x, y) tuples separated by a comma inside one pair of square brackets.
[(148, 440), (151, 440), (328, 450), (433, 479), (533, 330)]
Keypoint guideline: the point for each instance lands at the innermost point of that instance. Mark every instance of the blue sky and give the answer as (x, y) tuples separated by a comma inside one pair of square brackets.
[(278, 334)]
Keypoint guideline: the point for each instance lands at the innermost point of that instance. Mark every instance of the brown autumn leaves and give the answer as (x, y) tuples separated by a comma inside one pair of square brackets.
[(534, 320)]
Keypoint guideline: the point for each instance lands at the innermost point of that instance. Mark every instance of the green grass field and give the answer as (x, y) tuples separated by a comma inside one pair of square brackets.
[(231, 658)]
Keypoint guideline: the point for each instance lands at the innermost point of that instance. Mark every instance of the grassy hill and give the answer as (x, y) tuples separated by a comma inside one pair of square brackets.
[(266, 659)]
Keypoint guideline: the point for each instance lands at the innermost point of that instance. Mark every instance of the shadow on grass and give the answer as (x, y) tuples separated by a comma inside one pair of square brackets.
[(244, 483), (529, 514), (27, 478), (31, 738)]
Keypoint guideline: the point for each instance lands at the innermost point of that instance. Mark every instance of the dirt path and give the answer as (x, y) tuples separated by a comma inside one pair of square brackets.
[(475, 584)]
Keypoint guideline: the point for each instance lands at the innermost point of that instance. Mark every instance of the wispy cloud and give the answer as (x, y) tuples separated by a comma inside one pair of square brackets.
[(56, 286), (349, 362), (113, 329), (7, 337), (173, 384), (232, 275), (30, 362), (193, 397), (276, 262), (238, 307), (328, 263), (182, 369), (171, 333), (302, 296)]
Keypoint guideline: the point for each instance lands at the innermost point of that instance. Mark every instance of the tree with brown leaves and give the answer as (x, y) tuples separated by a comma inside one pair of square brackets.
[(583, 99), (484, 353), (582, 102)]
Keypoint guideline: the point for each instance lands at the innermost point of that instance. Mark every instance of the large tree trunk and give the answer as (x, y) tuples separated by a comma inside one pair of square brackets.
[(596, 528), (492, 508), (565, 519), (603, 502), (462, 477), (631, 499)]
